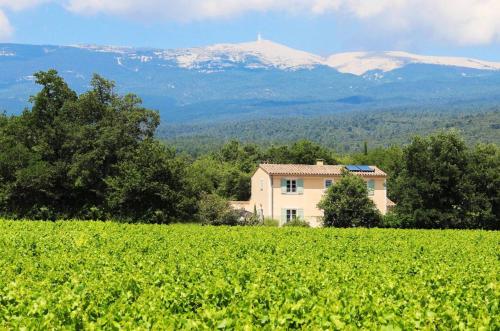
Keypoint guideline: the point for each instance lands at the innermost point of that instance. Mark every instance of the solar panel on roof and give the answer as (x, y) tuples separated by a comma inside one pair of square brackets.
[(366, 168), (360, 168), (352, 168)]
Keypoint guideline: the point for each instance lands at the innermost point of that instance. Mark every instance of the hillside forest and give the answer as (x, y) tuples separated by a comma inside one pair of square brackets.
[(96, 156)]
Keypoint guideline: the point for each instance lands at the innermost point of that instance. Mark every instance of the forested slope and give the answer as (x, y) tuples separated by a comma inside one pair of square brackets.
[(344, 132)]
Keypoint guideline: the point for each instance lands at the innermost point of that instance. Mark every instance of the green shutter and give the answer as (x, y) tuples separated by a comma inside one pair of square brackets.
[(300, 186), (283, 216), (300, 214), (283, 185)]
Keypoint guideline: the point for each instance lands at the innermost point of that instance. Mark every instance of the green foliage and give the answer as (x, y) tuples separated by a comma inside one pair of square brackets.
[(271, 222), (249, 220), (392, 220), (87, 156), (297, 222), (215, 210), (443, 184), (344, 132), (484, 172), (301, 152), (346, 204), (103, 275), (149, 184)]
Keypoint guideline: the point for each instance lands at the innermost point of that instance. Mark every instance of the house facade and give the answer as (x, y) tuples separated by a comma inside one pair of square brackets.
[(287, 191)]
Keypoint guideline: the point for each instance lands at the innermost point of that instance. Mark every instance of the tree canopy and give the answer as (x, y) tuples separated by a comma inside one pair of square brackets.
[(72, 154), (346, 204)]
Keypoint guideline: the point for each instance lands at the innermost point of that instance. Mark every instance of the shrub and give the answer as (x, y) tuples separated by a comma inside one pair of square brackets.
[(298, 223), (391, 220), (248, 219), (215, 210), (271, 222), (94, 213), (159, 217), (43, 214)]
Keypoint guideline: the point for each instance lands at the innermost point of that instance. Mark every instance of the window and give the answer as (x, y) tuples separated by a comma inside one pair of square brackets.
[(291, 214), (292, 186), (262, 185), (371, 187), (328, 183)]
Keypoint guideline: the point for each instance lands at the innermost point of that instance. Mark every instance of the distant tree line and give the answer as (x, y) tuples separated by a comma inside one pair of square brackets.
[(344, 132), (95, 156)]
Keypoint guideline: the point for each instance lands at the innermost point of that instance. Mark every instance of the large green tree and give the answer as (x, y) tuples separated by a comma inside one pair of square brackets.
[(70, 155), (346, 204), (443, 184), (484, 172)]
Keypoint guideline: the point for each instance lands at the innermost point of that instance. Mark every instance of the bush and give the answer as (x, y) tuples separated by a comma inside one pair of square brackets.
[(159, 217), (298, 223), (215, 210), (391, 220), (248, 219), (271, 222), (93, 213), (43, 214)]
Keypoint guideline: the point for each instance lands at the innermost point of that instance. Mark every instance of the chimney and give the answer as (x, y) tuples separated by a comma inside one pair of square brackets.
[(320, 162)]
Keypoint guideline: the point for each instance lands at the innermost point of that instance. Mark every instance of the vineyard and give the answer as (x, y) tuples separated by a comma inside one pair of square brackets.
[(96, 275)]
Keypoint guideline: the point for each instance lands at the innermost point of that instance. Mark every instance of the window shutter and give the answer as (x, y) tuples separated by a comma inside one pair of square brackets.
[(283, 216), (283, 185), (300, 186), (300, 214)]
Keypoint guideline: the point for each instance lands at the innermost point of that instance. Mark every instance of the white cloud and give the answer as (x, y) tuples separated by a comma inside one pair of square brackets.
[(457, 21), (5, 27), (21, 4), (466, 22)]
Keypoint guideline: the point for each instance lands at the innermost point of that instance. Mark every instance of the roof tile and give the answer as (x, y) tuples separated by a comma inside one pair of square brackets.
[(315, 170)]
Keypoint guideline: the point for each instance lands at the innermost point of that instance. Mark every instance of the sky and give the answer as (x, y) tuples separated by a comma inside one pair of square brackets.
[(433, 27)]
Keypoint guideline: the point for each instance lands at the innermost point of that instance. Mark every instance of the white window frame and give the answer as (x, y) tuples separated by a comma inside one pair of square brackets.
[(289, 214), (290, 189), (261, 184)]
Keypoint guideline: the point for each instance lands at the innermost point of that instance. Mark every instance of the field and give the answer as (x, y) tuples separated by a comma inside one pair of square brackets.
[(86, 275)]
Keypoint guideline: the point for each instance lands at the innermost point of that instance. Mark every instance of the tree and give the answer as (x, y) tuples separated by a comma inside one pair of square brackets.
[(301, 152), (346, 204), (87, 155), (484, 172), (150, 186), (209, 174), (434, 189)]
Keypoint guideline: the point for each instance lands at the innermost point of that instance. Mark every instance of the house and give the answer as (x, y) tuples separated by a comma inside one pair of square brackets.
[(288, 191)]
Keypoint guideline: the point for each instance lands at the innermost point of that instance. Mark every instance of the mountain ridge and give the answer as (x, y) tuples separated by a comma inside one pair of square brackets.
[(272, 54), (249, 80)]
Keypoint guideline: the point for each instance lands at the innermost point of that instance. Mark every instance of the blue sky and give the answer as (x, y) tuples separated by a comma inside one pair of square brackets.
[(437, 27)]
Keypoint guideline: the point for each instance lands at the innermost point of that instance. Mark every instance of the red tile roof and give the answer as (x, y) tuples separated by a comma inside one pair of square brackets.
[(315, 170)]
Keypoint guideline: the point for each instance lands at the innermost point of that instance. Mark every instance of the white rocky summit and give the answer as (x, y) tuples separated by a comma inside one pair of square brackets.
[(267, 54)]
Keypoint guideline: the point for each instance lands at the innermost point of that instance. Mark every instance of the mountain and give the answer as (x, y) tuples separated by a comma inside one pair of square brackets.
[(254, 79), (359, 63), (265, 54)]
